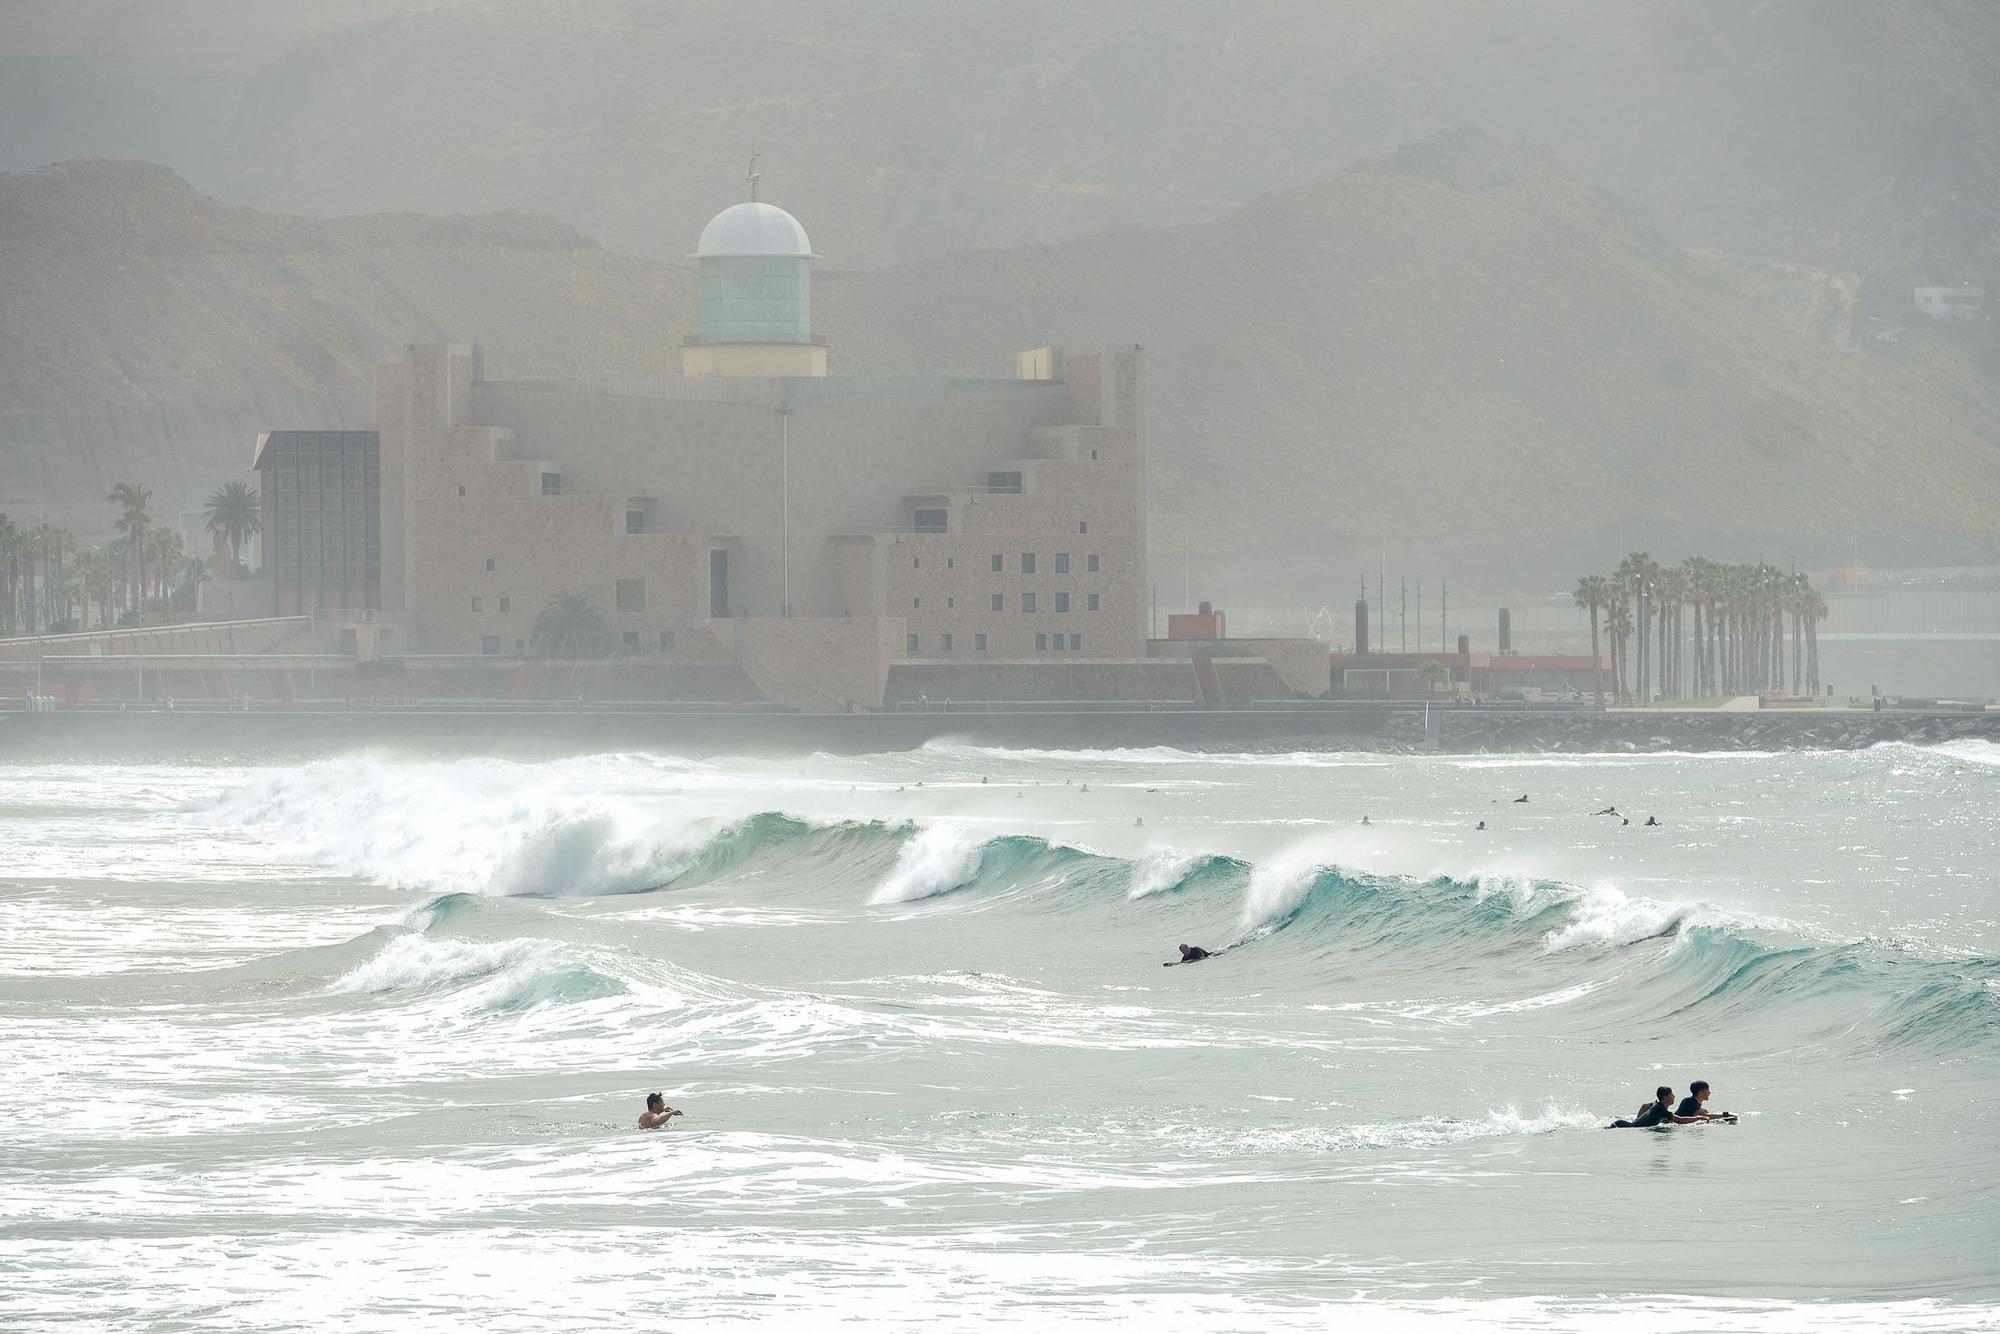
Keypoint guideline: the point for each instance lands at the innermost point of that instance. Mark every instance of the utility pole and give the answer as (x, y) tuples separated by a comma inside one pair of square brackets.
[(784, 473), (1403, 617), (1444, 640), (1187, 574)]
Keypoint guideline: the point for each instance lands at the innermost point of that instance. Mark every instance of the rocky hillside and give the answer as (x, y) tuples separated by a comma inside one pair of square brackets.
[(1460, 343), (1847, 135)]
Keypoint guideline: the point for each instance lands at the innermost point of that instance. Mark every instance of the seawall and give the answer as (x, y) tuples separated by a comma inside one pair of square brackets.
[(109, 735)]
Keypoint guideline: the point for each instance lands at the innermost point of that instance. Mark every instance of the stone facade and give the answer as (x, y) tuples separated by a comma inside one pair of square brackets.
[(995, 518)]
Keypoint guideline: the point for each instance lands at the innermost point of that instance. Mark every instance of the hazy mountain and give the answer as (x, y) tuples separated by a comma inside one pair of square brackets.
[(1460, 343), (1842, 134)]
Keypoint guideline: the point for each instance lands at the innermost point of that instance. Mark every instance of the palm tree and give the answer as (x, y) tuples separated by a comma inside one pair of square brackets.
[(10, 572), (233, 514), (1670, 590), (169, 551), (1813, 604), (1590, 593), (132, 523), (571, 626), (93, 573), (1618, 625), (1433, 674)]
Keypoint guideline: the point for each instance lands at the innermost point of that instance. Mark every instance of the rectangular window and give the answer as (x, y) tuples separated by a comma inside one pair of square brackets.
[(551, 483), (635, 521), (718, 582), (1083, 525), (916, 562), (910, 645), (1075, 642), (631, 595), (1093, 456), (1041, 643), (944, 643), (930, 521), (489, 565), (1090, 564), (951, 562), (631, 639), (998, 564), (999, 602), (916, 602), (1055, 643), (979, 641), (461, 490), (1062, 602), (951, 602), (506, 604), (489, 646), (1093, 603), (1004, 483), (520, 644), (479, 604), (1027, 562), (1027, 602), (666, 641), (1062, 562)]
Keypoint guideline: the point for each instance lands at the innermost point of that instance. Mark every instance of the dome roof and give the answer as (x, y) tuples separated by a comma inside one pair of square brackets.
[(753, 228)]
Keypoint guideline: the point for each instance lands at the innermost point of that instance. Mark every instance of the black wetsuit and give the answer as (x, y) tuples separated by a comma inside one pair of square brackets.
[(1658, 1114), (1194, 953)]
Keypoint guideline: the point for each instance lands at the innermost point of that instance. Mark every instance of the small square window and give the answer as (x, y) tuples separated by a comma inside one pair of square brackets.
[(999, 602), (479, 604), (944, 643), (551, 483), (1062, 602), (631, 595), (1090, 564), (1093, 603), (461, 490), (1075, 642), (635, 521), (519, 644), (1027, 562), (1027, 602), (489, 565), (489, 646), (1083, 525), (910, 644), (506, 604), (979, 642), (998, 564), (1062, 562), (1041, 643)]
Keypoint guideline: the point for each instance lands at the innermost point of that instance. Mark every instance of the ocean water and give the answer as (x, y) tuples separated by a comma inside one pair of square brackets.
[(360, 1044)]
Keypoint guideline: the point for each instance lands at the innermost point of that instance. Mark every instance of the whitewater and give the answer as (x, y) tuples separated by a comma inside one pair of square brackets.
[(360, 1043)]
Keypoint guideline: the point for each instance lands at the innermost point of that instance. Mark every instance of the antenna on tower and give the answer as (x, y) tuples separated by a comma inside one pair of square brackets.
[(751, 174)]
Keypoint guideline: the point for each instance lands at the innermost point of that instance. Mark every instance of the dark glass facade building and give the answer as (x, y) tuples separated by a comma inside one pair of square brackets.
[(322, 519)]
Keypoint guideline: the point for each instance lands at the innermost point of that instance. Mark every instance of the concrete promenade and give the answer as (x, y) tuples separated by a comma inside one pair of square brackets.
[(277, 734)]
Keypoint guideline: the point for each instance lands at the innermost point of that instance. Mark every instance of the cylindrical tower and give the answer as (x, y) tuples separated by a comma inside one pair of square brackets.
[(754, 274)]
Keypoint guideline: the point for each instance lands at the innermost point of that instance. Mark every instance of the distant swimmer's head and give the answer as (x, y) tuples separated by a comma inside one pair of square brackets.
[(655, 1103)]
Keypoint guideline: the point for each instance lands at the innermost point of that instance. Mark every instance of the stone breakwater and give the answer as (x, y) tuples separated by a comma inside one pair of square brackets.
[(1483, 730)]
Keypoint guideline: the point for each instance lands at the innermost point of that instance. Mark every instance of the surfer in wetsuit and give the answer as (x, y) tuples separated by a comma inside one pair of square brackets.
[(1608, 810), (1691, 1106), (657, 1112), (1652, 822), (1659, 1112), (1191, 954)]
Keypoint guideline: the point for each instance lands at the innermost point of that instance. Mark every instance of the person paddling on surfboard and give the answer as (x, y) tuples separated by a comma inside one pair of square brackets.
[(1659, 1112), (657, 1113), (1691, 1105), (1189, 954)]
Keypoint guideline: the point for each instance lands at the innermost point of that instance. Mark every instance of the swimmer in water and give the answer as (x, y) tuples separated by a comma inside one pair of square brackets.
[(1364, 819), (657, 1113), (1608, 810), (1518, 800), (1190, 954), (1623, 820), (1482, 824), (1652, 822)]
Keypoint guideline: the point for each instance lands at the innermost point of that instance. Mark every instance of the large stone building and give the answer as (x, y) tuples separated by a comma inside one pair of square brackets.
[(816, 529)]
